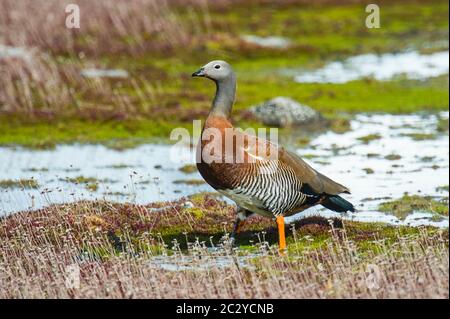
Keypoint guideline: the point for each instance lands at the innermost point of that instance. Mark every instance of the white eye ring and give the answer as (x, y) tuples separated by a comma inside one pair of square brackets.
[(217, 66)]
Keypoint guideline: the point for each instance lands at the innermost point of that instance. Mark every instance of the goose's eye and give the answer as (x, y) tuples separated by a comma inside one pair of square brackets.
[(217, 66)]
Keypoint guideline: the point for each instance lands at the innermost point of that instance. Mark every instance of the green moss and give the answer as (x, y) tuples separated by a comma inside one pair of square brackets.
[(319, 33), (442, 125), (188, 168), (373, 155), (118, 166), (93, 187), (393, 157), (116, 194), (309, 156), (199, 199), (117, 135), (302, 141), (104, 229), (80, 180), (427, 159), (196, 212), (368, 138), (398, 96), (36, 169), (340, 124), (421, 136), (90, 183), (189, 181), (20, 183), (404, 206)]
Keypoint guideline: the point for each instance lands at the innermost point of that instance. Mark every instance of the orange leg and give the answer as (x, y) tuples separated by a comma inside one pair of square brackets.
[(282, 237), (237, 228)]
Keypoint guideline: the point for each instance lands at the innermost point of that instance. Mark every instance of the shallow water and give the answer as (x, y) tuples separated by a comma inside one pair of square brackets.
[(269, 42), (14, 52), (380, 67), (217, 258), (423, 166), (104, 73), (146, 173)]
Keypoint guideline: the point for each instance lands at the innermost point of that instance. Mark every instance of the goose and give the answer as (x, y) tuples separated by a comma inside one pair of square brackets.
[(268, 179)]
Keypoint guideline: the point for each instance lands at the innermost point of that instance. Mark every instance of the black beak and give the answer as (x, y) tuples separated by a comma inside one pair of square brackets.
[(200, 72)]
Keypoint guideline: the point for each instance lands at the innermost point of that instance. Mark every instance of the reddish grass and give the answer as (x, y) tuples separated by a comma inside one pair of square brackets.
[(121, 250), (109, 26)]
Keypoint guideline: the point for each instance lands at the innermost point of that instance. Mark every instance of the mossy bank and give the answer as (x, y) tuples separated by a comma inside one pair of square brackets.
[(105, 229), (159, 94)]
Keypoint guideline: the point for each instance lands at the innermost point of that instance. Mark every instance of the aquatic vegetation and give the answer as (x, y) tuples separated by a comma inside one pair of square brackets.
[(118, 166), (93, 187), (36, 169), (20, 183), (116, 194), (309, 156), (91, 183), (427, 159), (368, 170), (442, 125), (368, 138), (80, 179), (189, 181), (420, 136), (188, 168), (340, 124), (393, 157), (302, 141), (409, 203)]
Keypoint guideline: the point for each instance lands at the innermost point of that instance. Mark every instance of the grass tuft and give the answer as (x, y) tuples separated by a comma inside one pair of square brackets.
[(168, 250)]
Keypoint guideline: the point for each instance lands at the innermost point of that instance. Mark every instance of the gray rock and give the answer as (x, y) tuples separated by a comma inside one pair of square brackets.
[(283, 111)]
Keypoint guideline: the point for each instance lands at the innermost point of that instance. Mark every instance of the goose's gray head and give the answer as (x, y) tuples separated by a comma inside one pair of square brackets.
[(215, 70)]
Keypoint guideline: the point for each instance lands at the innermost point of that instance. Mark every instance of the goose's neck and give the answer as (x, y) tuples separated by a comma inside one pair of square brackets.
[(224, 98)]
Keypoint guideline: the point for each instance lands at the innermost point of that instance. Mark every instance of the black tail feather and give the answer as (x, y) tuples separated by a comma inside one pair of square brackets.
[(338, 204)]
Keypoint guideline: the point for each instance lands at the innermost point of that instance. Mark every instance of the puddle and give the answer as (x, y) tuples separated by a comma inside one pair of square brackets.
[(268, 42), (14, 52), (374, 169), (381, 67), (139, 175), (99, 73), (349, 158), (213, 260)]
